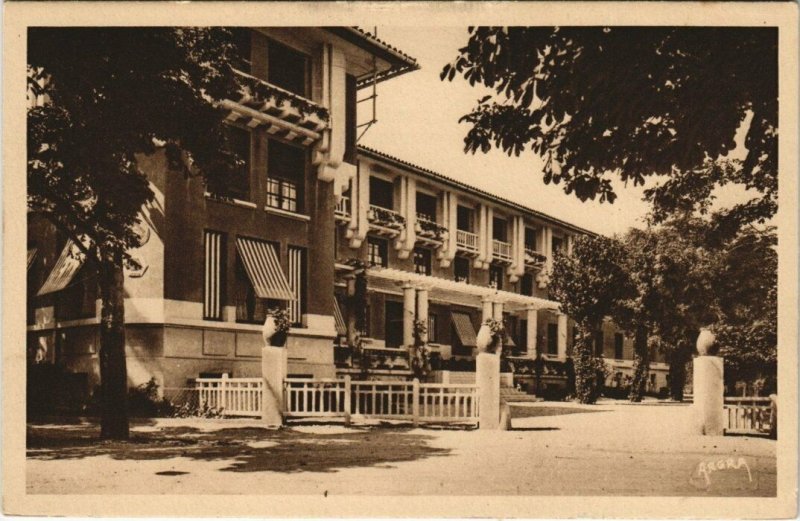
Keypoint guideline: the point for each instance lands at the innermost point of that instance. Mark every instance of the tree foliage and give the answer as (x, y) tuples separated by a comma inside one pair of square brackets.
[(588, 284), (631, 102), (101, 98)]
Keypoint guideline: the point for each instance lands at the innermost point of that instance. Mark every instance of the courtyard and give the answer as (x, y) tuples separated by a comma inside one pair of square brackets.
[(554, 448)]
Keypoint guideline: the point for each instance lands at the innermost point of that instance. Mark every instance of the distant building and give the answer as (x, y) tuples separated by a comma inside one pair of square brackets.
[(308, 201)]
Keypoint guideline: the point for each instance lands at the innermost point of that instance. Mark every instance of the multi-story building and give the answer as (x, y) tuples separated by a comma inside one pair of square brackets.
[(307, 201)]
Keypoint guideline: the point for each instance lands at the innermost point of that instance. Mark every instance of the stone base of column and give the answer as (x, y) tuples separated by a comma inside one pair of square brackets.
[(708, 390), (487, 379), (273, 371)]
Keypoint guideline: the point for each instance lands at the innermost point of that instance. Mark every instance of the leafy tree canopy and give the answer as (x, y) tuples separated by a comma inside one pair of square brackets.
[(631, 102)]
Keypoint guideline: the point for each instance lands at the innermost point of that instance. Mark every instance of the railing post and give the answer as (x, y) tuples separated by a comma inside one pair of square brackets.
[(415, 402), (347, 394)]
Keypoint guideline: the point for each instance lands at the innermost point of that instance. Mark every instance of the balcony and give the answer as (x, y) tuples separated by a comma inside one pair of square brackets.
[(429, 231), (467, 242), (342, 210), (534, 259), (501, 251), (384, 221), (283, 113)]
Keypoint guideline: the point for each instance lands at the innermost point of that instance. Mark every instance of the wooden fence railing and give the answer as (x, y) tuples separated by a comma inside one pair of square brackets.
[(754, 415), (231, 396), (414, 401)]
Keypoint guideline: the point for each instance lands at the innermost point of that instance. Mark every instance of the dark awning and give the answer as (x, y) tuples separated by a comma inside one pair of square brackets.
[(263, 269), (67, 265), (464, 330), (341, 327)]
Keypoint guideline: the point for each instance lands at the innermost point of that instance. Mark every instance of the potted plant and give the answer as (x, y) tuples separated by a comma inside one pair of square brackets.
[(276, 328), (490, 335)]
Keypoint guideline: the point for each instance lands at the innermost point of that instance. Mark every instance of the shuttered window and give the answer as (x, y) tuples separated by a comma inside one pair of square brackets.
[(297, 282), (212, 289)]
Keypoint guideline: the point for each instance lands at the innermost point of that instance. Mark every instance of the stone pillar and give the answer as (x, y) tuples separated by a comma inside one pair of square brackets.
[(562, 336), (708, 387), (487, 379), (273, 371), (409, 306), (422, 310), (532, 316), (487, 309)]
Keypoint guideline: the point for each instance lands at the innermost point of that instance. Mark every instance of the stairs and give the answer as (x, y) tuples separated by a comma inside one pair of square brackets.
[(511, 395)]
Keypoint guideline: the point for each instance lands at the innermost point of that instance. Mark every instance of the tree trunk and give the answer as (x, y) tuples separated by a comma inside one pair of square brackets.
[(677, 371), (641, 365), (113, 371)]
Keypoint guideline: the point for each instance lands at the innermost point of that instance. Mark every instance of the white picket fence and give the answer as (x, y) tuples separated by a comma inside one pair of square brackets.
[(748, 415), (414, 401), (231, 396)]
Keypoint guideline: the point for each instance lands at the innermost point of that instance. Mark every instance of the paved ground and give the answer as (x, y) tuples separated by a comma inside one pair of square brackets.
[(554, 449)]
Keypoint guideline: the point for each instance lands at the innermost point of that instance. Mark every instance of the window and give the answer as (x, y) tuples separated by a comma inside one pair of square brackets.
[(238, 183), (377, 252), (464, 219), (249, 307), (523, 336), (599, 340), (214, 243), (78, 299), (499, 229), (288, 69), (552, 339), (432, 328), (297, 282), (496, 276), (530, 239), (426, 206), (461, 269), (526, 285), (422, 261), (242, 39), (394, 323), (618, 342), (558, 244), (286, 168), (381, 193)]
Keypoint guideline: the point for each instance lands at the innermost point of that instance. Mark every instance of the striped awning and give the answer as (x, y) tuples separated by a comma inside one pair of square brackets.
[(341, 327), (263, 269), (464, 329), (67, 265), (31, 256)]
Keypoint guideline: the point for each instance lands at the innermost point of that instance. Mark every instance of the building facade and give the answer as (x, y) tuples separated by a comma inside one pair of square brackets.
[(307, 203)]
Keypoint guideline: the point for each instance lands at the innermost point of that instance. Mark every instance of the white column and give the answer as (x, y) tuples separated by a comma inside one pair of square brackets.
[(422, 310), (487, 309), (562, 336), (447, 252), (359, 224), (532, 317), (482, 230), (333, 96), (488, 237), (708, 405), (409, 305), (517, 268)]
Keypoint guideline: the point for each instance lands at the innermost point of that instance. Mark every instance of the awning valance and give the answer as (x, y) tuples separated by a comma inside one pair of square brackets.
[(341, 327), (464, 330), (263, 269), (67, 265), (31, 256)]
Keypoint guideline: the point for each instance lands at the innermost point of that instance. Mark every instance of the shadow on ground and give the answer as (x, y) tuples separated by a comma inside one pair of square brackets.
[(521, 411), (246, 449)]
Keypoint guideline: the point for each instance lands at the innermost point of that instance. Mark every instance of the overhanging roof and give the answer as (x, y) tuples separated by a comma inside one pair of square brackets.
[(400, 61)]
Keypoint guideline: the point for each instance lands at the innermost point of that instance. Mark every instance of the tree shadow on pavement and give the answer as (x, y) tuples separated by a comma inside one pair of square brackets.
[(245, 449)]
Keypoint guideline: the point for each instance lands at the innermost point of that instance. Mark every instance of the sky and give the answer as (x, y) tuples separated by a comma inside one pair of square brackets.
[(418, 117)]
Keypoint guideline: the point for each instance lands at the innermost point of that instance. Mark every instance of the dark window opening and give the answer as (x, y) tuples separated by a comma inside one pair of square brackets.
[(78, 299), (242, 39), (522, 345), (464, 220), (496, 276), (530, 239), (618, 343), (499, 232), (377, 252), (288, 69), (286, 169), (432, 322), (461, 269), (526, 285), (426, 206), (558, 244), (237, 185), (381, 193), (394, 324), (552, 339), (422, 261), (351, 120)]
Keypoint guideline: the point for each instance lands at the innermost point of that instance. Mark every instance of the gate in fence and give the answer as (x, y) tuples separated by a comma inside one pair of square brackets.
[(413, 401), (748, 415)]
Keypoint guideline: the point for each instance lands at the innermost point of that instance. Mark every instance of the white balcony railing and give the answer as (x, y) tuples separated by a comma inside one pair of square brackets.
[(501, 250), (342, 210), (385, 221), (466, 240), (534, 258)]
